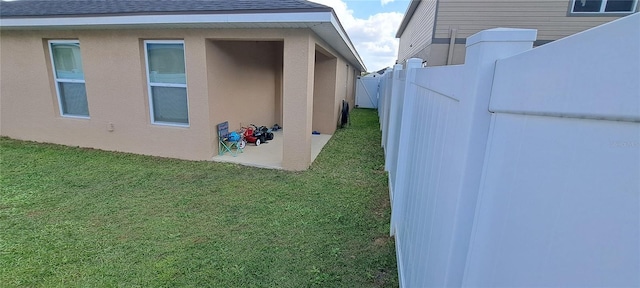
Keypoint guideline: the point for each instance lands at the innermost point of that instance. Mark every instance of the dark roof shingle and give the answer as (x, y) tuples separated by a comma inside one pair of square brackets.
[(61, 8)]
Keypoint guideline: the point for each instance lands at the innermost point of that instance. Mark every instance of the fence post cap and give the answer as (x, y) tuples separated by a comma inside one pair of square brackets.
[(503, 35), (414, 63)]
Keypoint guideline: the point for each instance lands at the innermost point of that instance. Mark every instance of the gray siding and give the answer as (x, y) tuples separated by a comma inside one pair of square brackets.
[(438, 54), (418, 34), (550, 17)]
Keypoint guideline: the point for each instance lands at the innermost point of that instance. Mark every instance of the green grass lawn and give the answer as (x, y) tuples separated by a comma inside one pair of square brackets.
[(80, 217)]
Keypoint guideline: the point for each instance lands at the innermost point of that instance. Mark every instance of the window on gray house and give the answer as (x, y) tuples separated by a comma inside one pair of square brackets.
[(604, 6)]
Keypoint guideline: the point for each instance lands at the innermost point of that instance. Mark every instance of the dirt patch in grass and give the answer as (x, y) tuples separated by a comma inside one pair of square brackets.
[(382, 207), (200, 240), (380, 170), (381, 241), (34, 214), (381, 278)]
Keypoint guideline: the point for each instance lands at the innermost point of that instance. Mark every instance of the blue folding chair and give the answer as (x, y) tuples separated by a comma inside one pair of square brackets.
[(225, 143)]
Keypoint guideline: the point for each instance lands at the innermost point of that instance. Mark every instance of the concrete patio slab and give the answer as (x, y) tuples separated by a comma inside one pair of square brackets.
[(269, 155)]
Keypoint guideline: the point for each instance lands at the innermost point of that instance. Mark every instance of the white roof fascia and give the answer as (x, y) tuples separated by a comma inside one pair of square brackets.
[(165, 19), (343, 34)]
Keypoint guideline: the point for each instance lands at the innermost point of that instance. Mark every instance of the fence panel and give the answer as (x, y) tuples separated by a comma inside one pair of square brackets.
[(386, 104), (518, 171), (381, 96), (395, 120), (561, 185), (382, 92), (367, 91), (423, 183), (438, 175), (558, 205)]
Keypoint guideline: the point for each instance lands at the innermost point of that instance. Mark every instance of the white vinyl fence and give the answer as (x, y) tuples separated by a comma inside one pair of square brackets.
[(367, 91), (520, 168)]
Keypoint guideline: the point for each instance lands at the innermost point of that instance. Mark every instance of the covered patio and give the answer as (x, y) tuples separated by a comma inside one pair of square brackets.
[(269, 155), (262, 81)]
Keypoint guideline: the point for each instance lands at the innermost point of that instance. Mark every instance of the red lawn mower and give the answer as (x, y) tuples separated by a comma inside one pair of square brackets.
[(257, 135)]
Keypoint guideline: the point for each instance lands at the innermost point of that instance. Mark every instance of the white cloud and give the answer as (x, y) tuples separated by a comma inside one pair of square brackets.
[(385, 2), (373, 37)]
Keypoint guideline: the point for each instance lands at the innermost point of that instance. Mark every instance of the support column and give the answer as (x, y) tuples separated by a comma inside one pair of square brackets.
[(297, 100)]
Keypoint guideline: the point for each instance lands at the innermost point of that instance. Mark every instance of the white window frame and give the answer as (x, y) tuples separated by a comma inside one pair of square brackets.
[(603, 4), (174, 85), (57, 81)]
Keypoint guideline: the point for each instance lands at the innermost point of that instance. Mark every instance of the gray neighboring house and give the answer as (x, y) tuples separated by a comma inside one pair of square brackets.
[(436, 30)]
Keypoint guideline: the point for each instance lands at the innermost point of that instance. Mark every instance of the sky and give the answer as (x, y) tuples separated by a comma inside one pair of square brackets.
[(371, 26)]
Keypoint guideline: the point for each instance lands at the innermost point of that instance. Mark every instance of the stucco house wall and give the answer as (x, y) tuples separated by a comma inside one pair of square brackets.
[(115, 80), (261, 76), (245, 77)]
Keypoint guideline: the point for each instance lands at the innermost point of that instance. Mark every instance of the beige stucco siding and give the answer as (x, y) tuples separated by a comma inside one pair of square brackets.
[(351, 86), (244, 76), (298, 99), (324, 93), (345, 75), (261, 76), (116, 94), (418, 32), (550, 17)]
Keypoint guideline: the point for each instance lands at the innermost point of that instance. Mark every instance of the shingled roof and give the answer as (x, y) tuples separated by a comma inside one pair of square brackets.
[(162, 14), (61, 8)]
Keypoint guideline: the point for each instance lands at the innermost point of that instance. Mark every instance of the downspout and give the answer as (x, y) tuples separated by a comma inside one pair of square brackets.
[(452, 43), (346, 86)]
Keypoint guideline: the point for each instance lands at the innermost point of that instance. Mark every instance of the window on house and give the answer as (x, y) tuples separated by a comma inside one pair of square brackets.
[(69, 78), (167, 82), (604, 6)]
